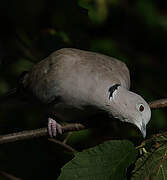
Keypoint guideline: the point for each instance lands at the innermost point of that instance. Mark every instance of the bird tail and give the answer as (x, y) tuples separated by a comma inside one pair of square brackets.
[(15, 93)]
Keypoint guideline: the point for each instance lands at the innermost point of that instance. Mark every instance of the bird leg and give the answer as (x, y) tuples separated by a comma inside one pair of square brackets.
[(54, 127)]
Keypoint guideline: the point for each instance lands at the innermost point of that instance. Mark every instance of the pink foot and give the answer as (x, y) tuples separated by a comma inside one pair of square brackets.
[(53, 127)]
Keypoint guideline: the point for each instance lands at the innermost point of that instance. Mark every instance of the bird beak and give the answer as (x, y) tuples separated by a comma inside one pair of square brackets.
[(143, 130)]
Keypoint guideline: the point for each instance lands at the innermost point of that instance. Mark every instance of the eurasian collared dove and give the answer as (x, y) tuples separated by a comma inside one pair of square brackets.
[(76, 78)]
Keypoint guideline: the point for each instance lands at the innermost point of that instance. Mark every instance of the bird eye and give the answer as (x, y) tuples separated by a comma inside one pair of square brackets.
[(141, 108)]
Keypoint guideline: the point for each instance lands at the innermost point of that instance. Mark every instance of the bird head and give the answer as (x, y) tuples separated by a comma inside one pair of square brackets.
[(129, 107)]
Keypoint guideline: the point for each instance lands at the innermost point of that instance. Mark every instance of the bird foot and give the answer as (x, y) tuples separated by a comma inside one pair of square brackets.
[(54, 127)]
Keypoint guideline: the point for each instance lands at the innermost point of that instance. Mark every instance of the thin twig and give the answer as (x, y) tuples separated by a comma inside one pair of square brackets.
[(66, 146), (29, 134), (8, 176), (67, 137), (160, 163)]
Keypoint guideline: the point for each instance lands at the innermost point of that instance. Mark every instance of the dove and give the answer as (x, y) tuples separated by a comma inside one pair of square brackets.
[(74, 79)]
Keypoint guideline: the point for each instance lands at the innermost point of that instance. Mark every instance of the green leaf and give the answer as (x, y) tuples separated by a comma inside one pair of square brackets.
[(105, 161), (153, 164)]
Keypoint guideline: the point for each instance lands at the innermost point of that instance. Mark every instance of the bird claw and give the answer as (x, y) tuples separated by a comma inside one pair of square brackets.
[(54, 127)]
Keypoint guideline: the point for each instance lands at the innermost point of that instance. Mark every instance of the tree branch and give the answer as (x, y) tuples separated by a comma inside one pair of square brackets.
[(161, 103), (29, 134)]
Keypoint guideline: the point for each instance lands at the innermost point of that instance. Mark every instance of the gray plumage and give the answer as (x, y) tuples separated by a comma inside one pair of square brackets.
[(81, 78)]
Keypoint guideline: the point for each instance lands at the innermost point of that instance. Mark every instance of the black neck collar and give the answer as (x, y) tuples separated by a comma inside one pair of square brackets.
[(112, 89)]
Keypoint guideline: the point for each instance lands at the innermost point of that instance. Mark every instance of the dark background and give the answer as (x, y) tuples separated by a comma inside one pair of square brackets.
[(132, 31)]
